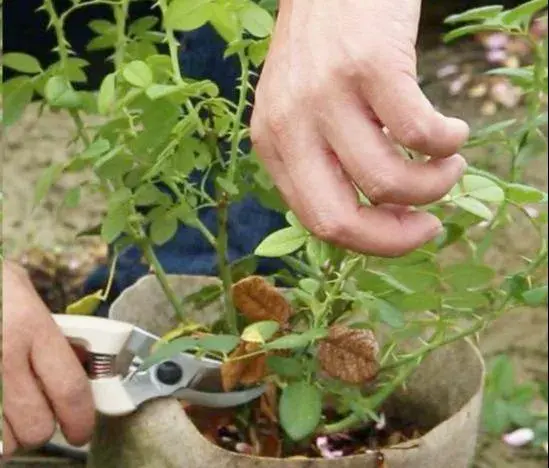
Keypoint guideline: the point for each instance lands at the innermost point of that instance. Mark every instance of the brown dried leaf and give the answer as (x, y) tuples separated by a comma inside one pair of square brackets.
[(349, 354), (258, 300), (247, 371)]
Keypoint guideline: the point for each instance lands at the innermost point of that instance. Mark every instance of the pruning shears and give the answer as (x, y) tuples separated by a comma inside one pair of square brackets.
[(115, 352)]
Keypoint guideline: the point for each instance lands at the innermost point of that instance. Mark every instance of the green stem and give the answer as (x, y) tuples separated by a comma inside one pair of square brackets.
[(373, 402), (333, 293), (422, 352), (173, 46), (235, 140), (121, 17), (196, 222), (58, 23), (160, 274), (222, 245)]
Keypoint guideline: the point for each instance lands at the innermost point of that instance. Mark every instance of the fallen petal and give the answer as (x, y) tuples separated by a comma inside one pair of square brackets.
[(447, 70), (519, 438), (496, 55)]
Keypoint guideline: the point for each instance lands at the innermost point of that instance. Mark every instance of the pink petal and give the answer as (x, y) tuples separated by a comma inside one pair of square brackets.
[(496, 41), (519, 438), (496, 55)]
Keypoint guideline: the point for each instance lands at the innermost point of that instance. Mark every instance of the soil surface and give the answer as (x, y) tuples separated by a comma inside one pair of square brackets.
[(34, 143)]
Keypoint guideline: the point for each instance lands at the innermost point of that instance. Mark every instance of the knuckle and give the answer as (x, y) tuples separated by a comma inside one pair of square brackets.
[(414, 134), (37, 434), (329, 230), (382, 188), (279, 120)]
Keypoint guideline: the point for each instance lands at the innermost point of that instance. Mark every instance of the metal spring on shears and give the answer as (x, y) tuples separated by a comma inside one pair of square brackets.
[(101, 365)]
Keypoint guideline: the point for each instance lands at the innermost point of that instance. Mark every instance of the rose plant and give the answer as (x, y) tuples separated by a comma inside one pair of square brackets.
[(349, 328)]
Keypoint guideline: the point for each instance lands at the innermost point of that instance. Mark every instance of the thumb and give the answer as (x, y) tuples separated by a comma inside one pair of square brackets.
[(401, 106)]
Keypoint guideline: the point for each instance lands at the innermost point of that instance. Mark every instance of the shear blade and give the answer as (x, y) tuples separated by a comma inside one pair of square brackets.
[(219, 400)]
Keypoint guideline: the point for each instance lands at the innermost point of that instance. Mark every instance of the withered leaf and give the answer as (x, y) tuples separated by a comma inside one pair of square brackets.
[(349, 354), (258, 300), (247, 371)]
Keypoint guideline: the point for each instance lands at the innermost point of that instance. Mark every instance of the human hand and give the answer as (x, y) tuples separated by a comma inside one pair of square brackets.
[(43, 380), (336, 74)]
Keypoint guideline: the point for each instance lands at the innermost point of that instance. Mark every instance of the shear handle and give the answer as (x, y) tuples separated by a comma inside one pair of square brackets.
[(96, 334), (101, 336)]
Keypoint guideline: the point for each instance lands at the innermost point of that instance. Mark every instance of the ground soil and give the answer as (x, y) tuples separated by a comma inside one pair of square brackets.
[(34, 143)]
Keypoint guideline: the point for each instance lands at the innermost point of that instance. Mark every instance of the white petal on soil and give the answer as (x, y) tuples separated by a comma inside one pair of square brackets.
[(519, 437)]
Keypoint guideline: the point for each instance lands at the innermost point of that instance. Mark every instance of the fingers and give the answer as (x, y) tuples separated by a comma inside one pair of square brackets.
[(400, 104), (375, 165), (65, 383), (323, 197), (9, 444), (43, 379), (26, 409)]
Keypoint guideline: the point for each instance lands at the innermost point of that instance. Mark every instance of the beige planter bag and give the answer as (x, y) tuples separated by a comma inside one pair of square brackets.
[(445, 393)]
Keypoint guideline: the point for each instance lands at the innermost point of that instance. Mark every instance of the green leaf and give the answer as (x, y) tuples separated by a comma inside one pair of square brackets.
[(283, 242), (295, 340), (421, 301), (523, 77), (470, 29), (17, 95), (169, 350), (218, 343), (494, 128), (260, 332), (389, 314), (482, 189), (186, 15), (142, 25), (227, 186), (23, 63), (521, 194), (149, 194), (469, 300), (300, 409), (60, 93), (475, 14), (163, 229), (101, 26), (72, 197), (474, 206), (114, 224), (501, 376), (46, 180), (107, 94), (524, 13), (87, 305), (467, 275), (225, 22), (536, 297), (285, 367), (138, 74), (257, 21)]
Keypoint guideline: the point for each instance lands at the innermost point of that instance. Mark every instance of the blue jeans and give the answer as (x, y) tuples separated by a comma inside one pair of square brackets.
[(249, 222)]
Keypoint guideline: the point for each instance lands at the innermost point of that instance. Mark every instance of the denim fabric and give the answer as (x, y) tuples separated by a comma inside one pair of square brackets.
[(249, 222)]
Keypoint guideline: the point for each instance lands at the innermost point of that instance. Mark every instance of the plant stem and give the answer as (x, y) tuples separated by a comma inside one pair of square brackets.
[(120, 15), (235, 140), (422, 352), (173, 46), (222, 246), (372, 402), (160, 274)]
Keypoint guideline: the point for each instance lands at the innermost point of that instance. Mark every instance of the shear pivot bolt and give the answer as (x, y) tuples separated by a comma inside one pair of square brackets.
[(169, 373)]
